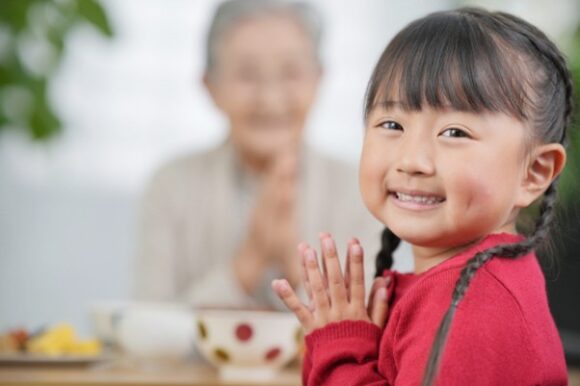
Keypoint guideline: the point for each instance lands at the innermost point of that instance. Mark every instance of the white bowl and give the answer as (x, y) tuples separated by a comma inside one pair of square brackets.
[(248, 345), (146, 330), (156, 331)]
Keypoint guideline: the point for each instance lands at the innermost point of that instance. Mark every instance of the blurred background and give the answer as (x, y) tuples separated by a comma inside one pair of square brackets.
[(94, 96)]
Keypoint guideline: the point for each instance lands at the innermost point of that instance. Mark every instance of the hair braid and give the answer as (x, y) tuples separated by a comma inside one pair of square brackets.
[(515, 250), (384, 259)]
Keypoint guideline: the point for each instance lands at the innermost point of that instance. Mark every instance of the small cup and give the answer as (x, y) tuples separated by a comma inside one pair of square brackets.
[(105, 316), (156, 331)]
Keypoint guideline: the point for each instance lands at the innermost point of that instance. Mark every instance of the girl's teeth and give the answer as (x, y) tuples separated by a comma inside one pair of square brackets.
[(428, 200)]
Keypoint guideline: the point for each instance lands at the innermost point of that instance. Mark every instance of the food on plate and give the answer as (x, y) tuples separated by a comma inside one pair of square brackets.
[(13, 340), (60, 339)]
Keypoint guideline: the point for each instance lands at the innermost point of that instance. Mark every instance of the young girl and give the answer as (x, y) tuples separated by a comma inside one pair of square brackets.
[(466, 116)]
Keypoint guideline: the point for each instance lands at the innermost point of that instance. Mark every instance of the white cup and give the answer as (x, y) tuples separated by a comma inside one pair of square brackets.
[(104, 316), (156, 331)]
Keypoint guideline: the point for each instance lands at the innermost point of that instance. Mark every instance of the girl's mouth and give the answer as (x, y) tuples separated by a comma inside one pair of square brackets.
[(416, 200)]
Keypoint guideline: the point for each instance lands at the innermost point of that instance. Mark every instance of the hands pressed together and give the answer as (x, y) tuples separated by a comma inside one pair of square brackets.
[(273, 227), (333, 295)]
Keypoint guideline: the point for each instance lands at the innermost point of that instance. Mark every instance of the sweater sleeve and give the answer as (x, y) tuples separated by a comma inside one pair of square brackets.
[(343, 353), (488, 343)]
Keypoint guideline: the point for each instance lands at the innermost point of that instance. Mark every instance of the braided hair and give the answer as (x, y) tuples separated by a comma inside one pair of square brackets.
[(389, 243), (486, 48)]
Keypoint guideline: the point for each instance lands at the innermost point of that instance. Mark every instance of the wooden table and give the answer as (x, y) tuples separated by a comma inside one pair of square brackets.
[(194, 374), (191, 374)]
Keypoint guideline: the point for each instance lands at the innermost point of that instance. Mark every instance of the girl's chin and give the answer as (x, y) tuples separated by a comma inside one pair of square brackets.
[(441, 241), (422, 238)]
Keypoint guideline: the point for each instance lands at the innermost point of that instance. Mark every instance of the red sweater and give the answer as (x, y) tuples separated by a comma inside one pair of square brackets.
[(502, 333)]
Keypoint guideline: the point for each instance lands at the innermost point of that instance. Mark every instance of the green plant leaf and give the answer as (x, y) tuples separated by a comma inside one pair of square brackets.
[(43, 122), (3, 120), (14, 14), (94, 13)]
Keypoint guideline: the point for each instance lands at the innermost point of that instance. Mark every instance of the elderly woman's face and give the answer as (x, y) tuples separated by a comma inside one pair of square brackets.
[(265, 81)]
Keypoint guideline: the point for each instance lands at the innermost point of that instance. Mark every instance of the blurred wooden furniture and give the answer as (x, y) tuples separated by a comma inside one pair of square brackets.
[(192, 374), (187, 375)]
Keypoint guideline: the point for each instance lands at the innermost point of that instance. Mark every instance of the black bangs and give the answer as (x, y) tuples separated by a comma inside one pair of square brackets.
[(446, 60)]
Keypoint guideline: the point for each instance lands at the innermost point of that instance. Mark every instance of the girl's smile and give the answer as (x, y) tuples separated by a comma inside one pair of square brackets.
[(415, 199)]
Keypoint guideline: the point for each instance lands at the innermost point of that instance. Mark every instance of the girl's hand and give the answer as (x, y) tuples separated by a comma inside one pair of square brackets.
[(334, 297)]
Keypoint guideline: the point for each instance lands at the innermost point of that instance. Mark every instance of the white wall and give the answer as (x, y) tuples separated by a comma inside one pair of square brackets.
[(68, 208)]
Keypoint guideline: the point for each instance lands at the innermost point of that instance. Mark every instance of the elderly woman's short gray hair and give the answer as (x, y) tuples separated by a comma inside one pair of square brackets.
[(231, 12)]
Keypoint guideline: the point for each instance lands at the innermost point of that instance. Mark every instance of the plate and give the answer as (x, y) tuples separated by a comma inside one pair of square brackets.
[(37, 359)]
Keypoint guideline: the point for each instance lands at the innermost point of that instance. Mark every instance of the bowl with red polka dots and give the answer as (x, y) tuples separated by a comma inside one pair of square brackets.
[(247, 344)]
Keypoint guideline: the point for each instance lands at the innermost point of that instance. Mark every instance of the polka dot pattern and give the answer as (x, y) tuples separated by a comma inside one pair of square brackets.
[(221, 354), (273, 353), (241, 341), (299, 335), (202, 330), (244, 332)]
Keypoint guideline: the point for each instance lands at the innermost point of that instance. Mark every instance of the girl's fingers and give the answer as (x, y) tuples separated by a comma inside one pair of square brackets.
[(290, 299), (379, 306), (378, 282), (347, 265), (321, 237), (357, 280), (319, 294), (347, 270), (335, 280), (302, 247)]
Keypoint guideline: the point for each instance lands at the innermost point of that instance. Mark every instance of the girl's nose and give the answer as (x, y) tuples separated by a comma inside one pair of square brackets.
[(416, 157)]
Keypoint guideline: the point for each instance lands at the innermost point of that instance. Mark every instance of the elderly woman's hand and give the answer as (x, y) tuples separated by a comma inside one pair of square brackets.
[(273, 228)]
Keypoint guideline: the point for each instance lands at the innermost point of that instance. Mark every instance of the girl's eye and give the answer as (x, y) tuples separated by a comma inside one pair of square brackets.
[(455, 133), (391, 125)]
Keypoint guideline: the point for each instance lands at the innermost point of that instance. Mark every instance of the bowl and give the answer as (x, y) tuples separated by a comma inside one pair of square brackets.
[(247, 345), (159, 332), (146, 330)]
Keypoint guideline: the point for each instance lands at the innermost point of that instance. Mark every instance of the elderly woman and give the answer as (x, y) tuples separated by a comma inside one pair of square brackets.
[(219, 225)]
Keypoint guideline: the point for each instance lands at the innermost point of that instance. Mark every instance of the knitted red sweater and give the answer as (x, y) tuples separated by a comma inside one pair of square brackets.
[(502, 334)]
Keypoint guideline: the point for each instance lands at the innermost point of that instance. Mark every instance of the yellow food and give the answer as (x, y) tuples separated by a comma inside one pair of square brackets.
[(62, 340), (86, 347)]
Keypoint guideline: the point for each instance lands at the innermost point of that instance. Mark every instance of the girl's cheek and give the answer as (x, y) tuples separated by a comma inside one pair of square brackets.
[(365, 180), (371, 182), (476, 202)]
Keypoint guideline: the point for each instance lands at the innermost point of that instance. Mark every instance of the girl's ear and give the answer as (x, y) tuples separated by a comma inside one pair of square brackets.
[(546, 163)]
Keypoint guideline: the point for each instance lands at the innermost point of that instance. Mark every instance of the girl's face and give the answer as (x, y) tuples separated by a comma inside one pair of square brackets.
[(442, 178)]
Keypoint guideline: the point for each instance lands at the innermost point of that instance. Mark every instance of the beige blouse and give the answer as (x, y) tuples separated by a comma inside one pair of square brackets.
[(193, 218)]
